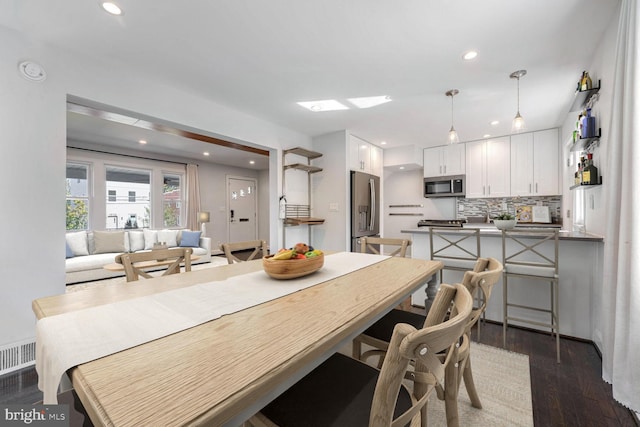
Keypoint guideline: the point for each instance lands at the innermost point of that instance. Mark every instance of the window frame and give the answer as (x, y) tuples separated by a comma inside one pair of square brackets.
[(87, 199)]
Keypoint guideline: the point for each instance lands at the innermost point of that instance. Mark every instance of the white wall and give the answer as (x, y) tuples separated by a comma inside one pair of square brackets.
[(332, 186), (601, 68), (32, 160)]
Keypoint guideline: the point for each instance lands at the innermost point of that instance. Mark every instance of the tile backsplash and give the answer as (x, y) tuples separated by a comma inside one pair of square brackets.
[(494, 207)]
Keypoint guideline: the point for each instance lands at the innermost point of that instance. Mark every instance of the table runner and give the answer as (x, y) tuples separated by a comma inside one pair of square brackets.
[(69, 339)]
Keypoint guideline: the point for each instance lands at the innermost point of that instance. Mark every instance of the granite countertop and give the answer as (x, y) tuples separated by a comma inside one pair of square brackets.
[(491, 231)]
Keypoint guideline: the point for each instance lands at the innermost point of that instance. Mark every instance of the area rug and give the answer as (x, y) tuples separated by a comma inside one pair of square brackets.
[(215, 262), (503, 383)]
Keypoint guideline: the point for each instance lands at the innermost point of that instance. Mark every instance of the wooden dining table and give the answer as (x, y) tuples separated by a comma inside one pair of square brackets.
[(221, 372)]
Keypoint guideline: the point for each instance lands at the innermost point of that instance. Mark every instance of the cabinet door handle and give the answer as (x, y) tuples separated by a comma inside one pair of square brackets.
[(536, 188), (483, 193), (529, 187), (440, 169), (489, 192), (445, 169)]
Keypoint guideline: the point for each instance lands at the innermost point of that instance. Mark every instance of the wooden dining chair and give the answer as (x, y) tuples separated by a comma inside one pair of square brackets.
[(136, 263), (488, 273), (372, 245), (259, 248), (387, 246), (346, 392)]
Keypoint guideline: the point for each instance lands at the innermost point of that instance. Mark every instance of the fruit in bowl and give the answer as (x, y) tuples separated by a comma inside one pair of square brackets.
[(298, 261)]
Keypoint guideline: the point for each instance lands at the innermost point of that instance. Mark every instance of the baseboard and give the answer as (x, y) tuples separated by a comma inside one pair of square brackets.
[(17, 356)]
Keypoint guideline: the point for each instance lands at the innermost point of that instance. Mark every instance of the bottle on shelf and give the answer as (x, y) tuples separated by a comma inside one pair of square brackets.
[(588, 125), (589, 172), (585, 82)]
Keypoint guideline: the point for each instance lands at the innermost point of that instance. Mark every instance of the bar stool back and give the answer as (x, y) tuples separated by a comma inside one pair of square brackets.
[(531, 255)]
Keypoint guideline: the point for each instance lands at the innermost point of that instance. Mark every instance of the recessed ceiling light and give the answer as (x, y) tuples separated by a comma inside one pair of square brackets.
[(401, 167), (252, 162), (323, 105), (206, 153), (495, 123), (470, 55), (32, 71), (486, 135), (369, 101), (111, 7), (142, 141), (383, 143)]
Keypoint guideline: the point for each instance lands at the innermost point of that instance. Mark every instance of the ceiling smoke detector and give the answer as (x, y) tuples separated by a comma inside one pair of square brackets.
[(32, 71)]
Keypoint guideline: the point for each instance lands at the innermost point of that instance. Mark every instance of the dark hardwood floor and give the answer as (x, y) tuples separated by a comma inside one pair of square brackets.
[(571, 393)]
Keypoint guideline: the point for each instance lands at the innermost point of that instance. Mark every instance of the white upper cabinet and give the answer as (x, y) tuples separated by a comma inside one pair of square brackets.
[(445, 160), (488, 168), (535, 163), (364, 156)]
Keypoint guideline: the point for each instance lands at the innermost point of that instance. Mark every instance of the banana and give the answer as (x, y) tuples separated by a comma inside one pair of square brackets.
[(284, 254)]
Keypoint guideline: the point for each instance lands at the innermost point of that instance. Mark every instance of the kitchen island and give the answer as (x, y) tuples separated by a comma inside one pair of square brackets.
[(580, 271)]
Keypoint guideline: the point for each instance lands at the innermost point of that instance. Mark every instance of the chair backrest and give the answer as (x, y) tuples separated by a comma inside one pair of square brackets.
[(372, 245), (259, 247), (135, 263), (531, 252), (457, 248), (422, 346), (482, 281)]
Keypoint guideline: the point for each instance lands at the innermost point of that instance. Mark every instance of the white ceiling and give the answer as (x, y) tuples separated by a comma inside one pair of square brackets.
[(262, 57)]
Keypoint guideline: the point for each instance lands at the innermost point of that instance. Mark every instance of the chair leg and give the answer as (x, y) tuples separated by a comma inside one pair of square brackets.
[(356, 349), (504, 312), (451, 394), (556, 311), (467, 375)]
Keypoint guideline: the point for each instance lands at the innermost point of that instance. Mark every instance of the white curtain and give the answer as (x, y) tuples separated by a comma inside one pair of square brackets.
[(621, 296), (192, 199)]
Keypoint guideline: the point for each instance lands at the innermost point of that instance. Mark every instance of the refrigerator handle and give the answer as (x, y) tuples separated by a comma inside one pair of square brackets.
[(372, 189)]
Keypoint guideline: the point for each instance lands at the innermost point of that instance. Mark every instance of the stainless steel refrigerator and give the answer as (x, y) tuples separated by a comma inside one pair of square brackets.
[(365, 207)]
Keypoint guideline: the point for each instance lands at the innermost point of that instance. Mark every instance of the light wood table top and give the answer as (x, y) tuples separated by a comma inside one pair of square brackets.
[(114, 266), (223, 371)]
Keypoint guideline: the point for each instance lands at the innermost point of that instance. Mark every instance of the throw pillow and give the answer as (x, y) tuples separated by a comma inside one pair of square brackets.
[(168, 236), (190, 239), (150, 237), (136, 241), (78, 243), (69, 251), (108, 241)]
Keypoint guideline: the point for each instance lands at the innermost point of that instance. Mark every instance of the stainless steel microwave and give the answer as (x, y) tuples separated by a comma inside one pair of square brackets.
[(444, 186)]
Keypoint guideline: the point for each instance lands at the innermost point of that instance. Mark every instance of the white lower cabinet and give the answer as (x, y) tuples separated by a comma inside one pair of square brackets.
[(488, 168)]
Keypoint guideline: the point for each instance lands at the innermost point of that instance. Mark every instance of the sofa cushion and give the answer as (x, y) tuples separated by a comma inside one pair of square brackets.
[(92, 262), (168, 236), (78, 243), (68, 249), (108, 241), (150, 238), (190, 239), (136, 241)]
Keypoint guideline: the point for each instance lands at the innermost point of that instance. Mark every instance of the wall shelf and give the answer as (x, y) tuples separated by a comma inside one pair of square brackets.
[(582, 97), (583, 144), (296, 214), (588, 186)]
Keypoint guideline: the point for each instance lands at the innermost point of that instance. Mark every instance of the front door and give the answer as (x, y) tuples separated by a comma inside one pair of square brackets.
[(242, 203)]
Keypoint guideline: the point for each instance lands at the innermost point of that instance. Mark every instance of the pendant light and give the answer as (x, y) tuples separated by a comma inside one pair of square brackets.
[(453, 135), (518, 124)]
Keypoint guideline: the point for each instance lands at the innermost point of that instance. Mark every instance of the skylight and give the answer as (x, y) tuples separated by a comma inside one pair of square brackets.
[(369, 101), (324, 105)]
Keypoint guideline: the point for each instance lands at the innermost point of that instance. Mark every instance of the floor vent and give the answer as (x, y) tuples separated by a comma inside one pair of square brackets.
[(17, 355)]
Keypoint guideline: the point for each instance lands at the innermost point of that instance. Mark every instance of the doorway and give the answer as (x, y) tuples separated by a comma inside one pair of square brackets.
[(242, 202)]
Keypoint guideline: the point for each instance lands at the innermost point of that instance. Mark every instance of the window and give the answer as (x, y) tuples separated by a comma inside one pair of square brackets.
[(172, 200), (77, 196), (133, 210)]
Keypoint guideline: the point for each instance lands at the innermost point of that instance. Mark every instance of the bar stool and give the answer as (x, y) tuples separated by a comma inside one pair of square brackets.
[(531, 255)]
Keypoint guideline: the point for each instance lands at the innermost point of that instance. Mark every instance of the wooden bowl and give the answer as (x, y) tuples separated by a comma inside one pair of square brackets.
[(291, 268)]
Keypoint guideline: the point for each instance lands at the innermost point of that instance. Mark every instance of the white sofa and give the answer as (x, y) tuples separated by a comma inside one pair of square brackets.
[(89, 251)]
